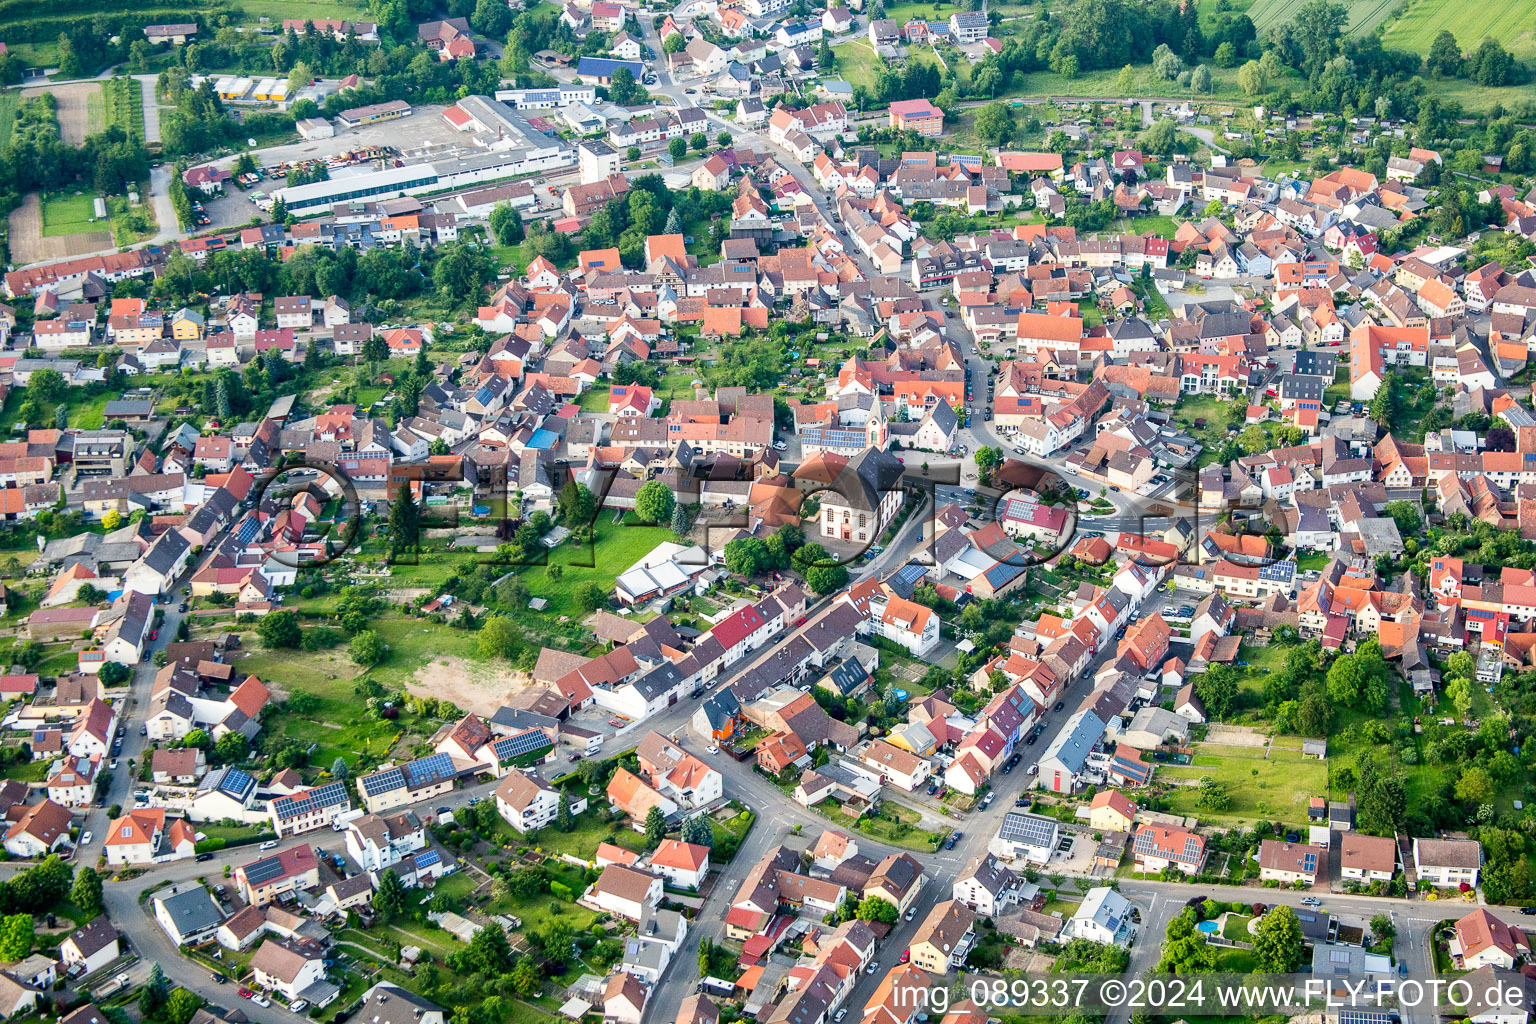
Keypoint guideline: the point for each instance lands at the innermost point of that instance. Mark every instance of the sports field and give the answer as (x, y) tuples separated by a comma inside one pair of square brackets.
[(1364, 15), (69, 214), (1511, 22)]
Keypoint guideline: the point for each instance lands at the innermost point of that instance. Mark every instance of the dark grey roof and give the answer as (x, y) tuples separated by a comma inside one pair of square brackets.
[(387, 1004), (163, 555), (192, 910)]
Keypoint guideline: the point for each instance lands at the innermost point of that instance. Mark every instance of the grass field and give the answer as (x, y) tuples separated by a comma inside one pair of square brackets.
[(1364, 15), (66, 214), (1274, 787), (617, 548), (124, 102), (857, 63), (10, 99), (277, 10), (1511, 22)]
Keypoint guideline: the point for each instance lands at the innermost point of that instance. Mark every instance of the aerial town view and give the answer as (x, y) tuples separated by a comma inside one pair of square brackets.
[(714, 511)]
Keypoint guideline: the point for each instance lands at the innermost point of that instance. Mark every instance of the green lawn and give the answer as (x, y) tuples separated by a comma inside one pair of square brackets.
[(277, 10), (616, 549), (1156, 223), (1313, 560), (1511, 22), (588, 829), (594, 400), (857, 62), (66, 214), (1364, 15), (1235, 928), (1276, 787)]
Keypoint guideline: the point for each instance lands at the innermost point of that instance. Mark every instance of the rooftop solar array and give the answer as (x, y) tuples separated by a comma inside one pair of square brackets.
[(237, 783), (430, 769), (522, 743), (332, 794), (259, 872), (1027, 828), (383, 782)]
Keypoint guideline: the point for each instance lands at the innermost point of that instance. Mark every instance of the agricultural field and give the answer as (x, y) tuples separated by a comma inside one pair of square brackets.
[(277, 10), (123, 103), (10, 99), (1364, 15), (69, 214), (1511, 22)]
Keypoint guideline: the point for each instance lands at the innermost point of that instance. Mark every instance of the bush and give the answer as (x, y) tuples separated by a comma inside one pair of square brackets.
[(210, 846), (562, 890)]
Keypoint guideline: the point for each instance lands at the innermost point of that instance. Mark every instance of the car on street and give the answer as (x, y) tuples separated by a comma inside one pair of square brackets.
[(911, 913), (840, 1015), (112, 764), (1030, 740), (574, 757), (245, 993), (711, 749), (85, 840), (204, 857), (986, 801), (872, 968), (182, 607), (1528, 910), (1311, 901), (906, 955), (260, 1000), (298, 1006), (270, 844), (949, 844), (1060, 704), (1019, 449), (779, 446), (217, 979)]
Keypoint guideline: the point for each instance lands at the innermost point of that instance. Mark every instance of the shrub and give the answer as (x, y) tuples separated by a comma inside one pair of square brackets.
[(562, 890)]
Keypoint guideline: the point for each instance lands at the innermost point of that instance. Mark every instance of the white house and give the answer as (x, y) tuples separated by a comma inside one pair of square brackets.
[(188, 913), (379, 841), (682, 864), (913, 626), (91, 946), (279, 967), (526, 802), (1104, 916), (985, 885), (624, 891)]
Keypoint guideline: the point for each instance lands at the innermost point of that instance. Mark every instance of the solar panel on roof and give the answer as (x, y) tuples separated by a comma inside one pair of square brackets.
[(237, 782), (427, 858), (430, 769), (383, 782), (522, 743), (259, 872)]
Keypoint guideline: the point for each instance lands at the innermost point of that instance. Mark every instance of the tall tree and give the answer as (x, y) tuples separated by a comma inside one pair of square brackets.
[(86, 892), (1277, 945), (404, 522)]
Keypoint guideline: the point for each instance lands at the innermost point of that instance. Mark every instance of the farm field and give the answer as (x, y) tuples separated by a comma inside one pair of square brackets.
[(10, 99), (68, 214), (1511, 22), (124, 105), (277, 10), (1364, 15)]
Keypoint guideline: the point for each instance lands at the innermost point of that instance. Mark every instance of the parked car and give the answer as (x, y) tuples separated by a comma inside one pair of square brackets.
[(204, 857), (911, 913), (1060, 704), (245, 993), (1311, 901), (712, 749), (260, 1000), (85, 840), (906, 955), (216, 978), (299, 1006), (270, 844)]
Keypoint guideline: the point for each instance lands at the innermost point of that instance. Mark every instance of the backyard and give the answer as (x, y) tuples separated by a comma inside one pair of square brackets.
[(1276, 786)]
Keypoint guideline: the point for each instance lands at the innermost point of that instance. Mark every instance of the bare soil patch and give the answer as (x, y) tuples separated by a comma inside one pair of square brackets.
[(469, 686), (29, 246), (1235, 736), (74, 109)]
